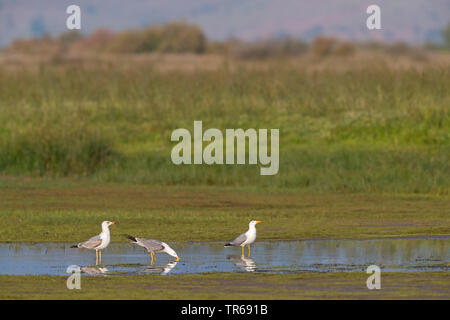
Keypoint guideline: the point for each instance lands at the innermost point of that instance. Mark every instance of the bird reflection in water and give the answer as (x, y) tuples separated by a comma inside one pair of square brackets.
[(243, 263), (93, 271), (161, 270)]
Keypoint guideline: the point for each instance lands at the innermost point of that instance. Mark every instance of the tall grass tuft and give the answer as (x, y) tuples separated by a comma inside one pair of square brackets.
[(70, 148)]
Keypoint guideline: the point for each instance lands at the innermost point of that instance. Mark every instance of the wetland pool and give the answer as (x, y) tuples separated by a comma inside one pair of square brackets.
[(400, 255)]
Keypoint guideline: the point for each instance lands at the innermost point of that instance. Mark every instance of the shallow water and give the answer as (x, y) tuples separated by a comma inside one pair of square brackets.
[(403, 255)]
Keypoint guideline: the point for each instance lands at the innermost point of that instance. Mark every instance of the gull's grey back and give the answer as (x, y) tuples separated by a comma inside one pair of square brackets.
[(150, 244)]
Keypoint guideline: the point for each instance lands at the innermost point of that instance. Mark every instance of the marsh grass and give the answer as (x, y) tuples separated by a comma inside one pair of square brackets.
[(32, 211), (70, 149), (373, 129)]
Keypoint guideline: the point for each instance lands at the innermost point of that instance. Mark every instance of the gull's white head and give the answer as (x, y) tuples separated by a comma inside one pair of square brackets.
[(106, 224), (253, 223), (172, 252)]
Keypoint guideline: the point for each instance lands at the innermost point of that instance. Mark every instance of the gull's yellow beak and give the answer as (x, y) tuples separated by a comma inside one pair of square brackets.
[(112, 222), (258, 221), (178, 259)]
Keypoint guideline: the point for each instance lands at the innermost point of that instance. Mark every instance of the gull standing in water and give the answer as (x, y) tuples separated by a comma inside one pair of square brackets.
[(98, 243), (153, 246), (245, 239)]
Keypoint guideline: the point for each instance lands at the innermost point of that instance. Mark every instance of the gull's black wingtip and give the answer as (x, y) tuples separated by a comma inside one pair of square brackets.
[(130, 237)]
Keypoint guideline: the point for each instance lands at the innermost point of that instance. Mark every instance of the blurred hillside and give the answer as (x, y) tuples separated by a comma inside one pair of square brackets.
[(410, 21)]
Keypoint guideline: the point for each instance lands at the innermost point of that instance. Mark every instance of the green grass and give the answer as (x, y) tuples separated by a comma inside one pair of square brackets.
[(58, 210), (429, 285), (371, 129)]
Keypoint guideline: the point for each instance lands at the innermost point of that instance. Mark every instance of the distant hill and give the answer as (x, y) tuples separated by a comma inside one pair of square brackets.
[(413, 21)]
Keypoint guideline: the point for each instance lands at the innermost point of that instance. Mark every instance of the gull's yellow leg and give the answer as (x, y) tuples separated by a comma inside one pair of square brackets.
[(249, 250), (242, 250), (96, 257), (100, 254), (154, 257)]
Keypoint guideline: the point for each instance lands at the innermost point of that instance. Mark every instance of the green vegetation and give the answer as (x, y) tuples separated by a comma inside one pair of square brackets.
[(68, 211), (429, 285), (361, 127), (446, 36)]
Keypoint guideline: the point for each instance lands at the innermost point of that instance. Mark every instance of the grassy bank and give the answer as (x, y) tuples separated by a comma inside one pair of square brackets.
[(364, 126), (61, 210), (427, 285)]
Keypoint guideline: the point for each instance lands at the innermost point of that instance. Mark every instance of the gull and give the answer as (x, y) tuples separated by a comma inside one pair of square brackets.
[(245, 239), (153, 246), (98, 243)]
